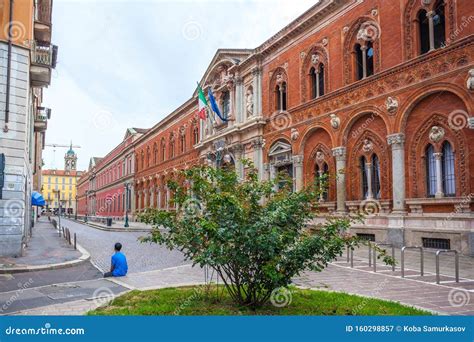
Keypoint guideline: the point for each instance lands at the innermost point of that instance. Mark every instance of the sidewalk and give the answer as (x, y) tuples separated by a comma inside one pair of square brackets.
[(117, 226), (45, 250)]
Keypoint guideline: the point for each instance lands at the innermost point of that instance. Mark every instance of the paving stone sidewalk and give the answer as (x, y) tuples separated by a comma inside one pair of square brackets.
[(44, 247), (449, 299)]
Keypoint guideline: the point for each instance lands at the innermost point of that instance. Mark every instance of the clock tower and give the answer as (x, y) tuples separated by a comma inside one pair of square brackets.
[(70, 160)]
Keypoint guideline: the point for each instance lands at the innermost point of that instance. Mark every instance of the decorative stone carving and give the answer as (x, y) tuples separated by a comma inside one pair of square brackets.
[(345, 29), (249, 101), (302, 54), (391, 103), (335, 121), (319, 157), (425, 2), (279, 79), (470, 80), (294, 134), (436, 134), (397, 138), (368, 146), (315, 59), (374, 12), (324, 41)]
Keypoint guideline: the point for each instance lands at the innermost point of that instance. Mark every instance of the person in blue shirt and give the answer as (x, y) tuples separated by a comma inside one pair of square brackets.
[(118, 267)]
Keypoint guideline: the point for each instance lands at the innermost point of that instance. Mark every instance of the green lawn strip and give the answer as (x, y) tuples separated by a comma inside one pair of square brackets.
[(196, 301)]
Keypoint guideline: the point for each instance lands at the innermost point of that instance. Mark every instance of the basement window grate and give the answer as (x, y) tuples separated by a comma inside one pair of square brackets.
[(436, 243), (366, 237)]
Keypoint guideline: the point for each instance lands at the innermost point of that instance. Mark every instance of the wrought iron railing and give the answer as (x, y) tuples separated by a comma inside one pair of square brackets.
[(44, 54)]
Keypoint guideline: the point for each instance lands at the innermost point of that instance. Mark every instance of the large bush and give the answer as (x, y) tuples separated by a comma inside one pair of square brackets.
[(254, 235)]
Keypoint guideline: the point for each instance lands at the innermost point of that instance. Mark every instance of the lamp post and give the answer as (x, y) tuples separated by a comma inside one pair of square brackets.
[(87, 205), (220, 155), (126, 225), (75, 211), (59, 207)]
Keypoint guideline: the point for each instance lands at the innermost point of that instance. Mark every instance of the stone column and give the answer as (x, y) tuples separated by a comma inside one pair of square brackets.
[(258, 157), (340, 154), (257, 91), (152, 197), (318, 75), (239, 166), (439, 175), (298, 172), (363, 48), (430, 15), (397, 142), (368, 174), (239, 91), (158, 198), (167, 198)]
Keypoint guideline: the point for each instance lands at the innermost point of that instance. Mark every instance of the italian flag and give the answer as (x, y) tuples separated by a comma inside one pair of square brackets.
[(202, 102)]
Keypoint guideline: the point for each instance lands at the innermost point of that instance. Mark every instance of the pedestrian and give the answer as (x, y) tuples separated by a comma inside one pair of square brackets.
[(118, 267)]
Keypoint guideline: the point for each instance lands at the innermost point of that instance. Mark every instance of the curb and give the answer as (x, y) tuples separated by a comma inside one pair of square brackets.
[(83, 258), (96, 226)]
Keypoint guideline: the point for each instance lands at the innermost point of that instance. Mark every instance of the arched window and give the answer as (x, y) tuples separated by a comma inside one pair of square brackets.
[(363, 177), (321, 175), (182, 143), (155, 154), (195, 135), (314, 83), (148, 156), (370, 59), (317, 81), (449, 179), (375, 176), (430, 171), (172, 148), (142, 161), (225, 103), (359, 62), (424, 32), (281, 96), (439, 25), (163, 151)]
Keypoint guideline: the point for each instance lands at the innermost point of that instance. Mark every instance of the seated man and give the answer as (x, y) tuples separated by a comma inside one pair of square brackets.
[(119, 265)]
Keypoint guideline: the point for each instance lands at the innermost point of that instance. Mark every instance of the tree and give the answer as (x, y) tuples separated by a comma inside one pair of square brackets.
[(253, 233)]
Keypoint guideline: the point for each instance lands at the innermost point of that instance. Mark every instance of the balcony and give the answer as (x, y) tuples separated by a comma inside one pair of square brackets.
[(43, 59), (41, 119), (42, 27)]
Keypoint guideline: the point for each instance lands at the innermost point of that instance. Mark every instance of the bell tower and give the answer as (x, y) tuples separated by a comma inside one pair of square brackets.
[(70, 160)]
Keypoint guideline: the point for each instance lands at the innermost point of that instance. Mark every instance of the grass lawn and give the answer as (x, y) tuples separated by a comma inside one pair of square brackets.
[(196, 301)]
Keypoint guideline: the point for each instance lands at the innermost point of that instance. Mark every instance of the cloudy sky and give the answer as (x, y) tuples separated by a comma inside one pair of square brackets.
[(129, 63)]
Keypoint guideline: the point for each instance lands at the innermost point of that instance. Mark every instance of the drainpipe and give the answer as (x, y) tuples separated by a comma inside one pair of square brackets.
[(9, 64)]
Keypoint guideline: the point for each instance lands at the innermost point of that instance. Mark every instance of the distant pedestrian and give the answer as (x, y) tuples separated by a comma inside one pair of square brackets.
[(118, 267)]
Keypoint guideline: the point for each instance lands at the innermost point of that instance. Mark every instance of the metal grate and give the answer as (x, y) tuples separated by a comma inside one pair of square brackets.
[(436, 243), (367, 237)]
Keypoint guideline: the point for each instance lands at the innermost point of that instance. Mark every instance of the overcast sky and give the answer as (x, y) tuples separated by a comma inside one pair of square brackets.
[(130, 63)]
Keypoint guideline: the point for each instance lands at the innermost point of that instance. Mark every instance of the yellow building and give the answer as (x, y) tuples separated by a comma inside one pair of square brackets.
[(59, 186)]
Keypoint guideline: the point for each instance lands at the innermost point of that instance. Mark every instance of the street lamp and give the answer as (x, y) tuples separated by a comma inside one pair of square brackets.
[(127, 185), (59, 210), (75, 212)]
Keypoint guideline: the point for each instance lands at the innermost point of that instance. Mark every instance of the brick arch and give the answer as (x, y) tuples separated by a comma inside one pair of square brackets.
[(380, 148), (348, 49), (416, 162), (355, 116), (309, 131), (442, 88), (272, 85), (410, 29), (321, 51), (318, 139)]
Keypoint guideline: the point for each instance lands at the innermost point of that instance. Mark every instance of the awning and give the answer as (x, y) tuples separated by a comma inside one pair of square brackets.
[(37, 199)]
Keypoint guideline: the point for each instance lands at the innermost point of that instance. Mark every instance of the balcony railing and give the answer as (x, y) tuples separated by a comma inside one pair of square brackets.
[(43, 112), (43, 11), (44, 55)]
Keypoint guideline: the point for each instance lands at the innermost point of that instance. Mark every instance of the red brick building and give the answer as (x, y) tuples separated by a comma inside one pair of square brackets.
[(377, 94)]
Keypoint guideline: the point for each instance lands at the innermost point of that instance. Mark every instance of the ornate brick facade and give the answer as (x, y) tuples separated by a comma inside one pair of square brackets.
[(378, 94)]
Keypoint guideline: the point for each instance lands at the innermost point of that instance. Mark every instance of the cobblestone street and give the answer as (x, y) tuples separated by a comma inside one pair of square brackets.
[(140, 256)]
